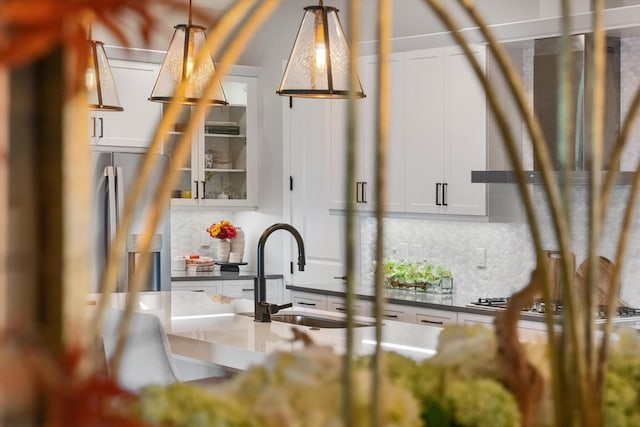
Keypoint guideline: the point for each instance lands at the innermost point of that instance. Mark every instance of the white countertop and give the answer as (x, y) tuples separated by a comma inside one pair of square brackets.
[(209, 329)]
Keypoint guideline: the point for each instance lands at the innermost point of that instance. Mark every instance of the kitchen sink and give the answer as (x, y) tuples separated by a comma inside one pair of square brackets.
[(313, 320)]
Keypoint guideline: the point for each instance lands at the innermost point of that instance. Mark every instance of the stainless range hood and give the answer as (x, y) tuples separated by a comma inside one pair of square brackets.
[(545, 99)]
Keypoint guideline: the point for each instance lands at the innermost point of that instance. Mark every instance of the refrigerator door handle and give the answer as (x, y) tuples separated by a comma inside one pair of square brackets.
[(109, 172), (120, 191)]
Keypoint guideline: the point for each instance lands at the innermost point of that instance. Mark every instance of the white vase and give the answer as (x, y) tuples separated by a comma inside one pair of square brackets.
[(237, 244), (222, 250)]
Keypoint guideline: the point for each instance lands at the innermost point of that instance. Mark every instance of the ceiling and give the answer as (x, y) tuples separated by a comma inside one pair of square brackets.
[(213, 4)]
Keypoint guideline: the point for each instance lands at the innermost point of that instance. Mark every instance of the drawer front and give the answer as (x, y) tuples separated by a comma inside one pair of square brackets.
[(317, 302), (207, 289), (436, 317), (360, 308), (472, 318), (206, 286), (398, 314), (239, 290)]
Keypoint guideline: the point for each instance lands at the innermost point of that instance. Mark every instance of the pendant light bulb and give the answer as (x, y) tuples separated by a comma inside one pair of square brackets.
[(320, 48), (188, 71), (90, 79), (318, 65)]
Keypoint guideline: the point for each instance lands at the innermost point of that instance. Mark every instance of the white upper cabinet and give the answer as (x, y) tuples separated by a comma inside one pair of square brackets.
[(424, 131), (221, 170), (135, 126), (436, 135), (445, 132), (467, 132), (367, 114)]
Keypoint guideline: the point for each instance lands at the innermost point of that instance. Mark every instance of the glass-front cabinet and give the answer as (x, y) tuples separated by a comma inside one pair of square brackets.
[(221, 170)]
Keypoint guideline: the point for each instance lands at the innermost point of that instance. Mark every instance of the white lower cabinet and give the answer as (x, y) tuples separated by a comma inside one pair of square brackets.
[(231, 288), (404, 313), (206, 286)]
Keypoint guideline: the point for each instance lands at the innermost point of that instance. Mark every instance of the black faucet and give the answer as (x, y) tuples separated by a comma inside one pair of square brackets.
[(262, 309)]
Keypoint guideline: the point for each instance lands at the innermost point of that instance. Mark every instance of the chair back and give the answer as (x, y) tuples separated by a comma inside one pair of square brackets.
[(147, 357)]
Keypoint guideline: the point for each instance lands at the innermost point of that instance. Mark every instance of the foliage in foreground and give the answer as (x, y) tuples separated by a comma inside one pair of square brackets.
[(459, 387)]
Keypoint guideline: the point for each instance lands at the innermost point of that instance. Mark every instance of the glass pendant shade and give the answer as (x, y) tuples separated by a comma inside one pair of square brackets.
[(101, 88), (318, 66), (178, 66)]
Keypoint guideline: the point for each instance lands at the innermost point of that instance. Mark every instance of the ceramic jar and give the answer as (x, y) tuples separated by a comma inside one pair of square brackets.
[(237, 246), (222, 250)]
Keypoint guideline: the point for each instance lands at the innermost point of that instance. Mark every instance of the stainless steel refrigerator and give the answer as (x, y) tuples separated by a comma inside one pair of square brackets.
[(113, 176)]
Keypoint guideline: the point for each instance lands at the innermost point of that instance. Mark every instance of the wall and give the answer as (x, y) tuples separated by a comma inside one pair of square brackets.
[(188, 226), (509, 252)]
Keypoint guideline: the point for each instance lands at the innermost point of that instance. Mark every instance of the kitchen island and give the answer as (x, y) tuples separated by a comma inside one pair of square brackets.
[(214, 330)]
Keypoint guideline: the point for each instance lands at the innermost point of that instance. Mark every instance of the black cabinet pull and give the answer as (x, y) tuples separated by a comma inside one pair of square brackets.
[(93, 120), (197, 188), (357, 191), (438, 194), (340, 277), (444, 194), (391, 316), (203, 189), (431, 322), (101, 127), (307, 303), (340, 309), (247, 289), (364, 191)]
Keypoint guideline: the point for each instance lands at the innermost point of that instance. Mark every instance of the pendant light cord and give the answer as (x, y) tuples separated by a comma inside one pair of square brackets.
[(190, 21)]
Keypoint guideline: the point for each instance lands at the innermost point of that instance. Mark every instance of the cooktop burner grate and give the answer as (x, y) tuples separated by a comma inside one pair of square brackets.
[(556, 307)]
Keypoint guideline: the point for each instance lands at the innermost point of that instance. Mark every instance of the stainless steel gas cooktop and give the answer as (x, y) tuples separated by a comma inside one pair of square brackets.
[(622, 314)]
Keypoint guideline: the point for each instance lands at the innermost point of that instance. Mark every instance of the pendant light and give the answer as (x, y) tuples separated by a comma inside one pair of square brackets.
[(318, 66), (179, 65), (101, 88)]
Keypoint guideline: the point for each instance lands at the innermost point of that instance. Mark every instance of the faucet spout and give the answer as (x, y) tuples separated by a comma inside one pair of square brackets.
[(262, 309)]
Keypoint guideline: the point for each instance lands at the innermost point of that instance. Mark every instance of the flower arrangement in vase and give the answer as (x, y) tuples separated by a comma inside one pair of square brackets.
[(224, 231)]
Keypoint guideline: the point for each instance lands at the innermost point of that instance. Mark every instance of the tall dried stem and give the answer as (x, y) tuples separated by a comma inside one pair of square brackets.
[(382, 143), (353, 13)]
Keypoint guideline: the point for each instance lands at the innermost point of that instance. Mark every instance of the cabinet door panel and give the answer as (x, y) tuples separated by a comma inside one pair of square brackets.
[(310, 197), (394, 158), (466, 125), (336, 123), (221, 171), (135, 126), (424, 130)]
